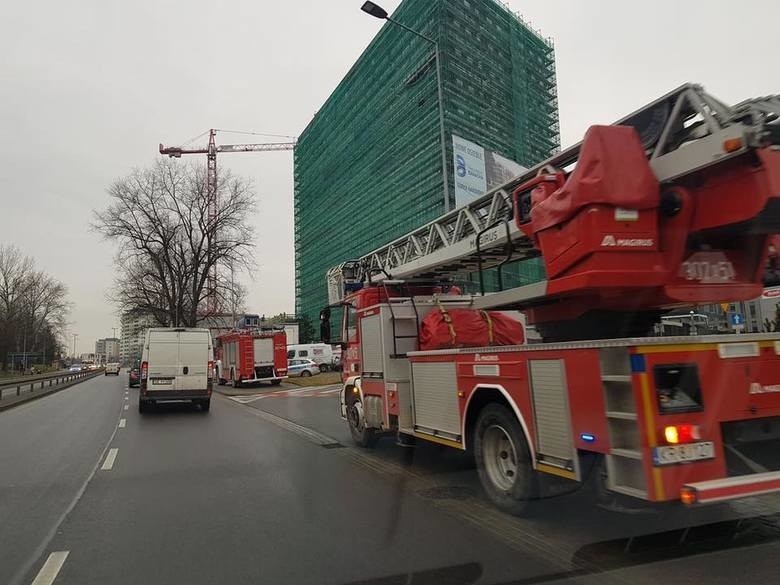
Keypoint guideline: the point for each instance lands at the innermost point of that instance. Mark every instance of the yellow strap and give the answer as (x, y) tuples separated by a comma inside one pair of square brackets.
[(448, 320), (486, 316)]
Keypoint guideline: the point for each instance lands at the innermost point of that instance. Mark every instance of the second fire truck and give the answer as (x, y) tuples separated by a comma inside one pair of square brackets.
[(250, 354)]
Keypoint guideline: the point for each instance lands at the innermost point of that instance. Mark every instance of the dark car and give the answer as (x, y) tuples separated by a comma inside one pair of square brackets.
[(135, 374)]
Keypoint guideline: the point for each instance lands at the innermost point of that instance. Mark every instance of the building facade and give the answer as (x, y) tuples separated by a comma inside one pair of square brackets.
[(369, 166), (133, 330), (107, 350)]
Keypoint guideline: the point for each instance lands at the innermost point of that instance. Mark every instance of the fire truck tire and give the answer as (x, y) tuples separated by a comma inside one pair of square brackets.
[(362, 436), (503, 459)]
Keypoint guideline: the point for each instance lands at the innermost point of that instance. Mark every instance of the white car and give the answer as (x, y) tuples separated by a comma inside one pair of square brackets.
[(112, 368), (303, 368), (74, 368)]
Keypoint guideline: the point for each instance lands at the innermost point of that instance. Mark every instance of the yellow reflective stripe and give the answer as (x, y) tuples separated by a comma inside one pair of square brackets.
[(440, 441), (647, 404), (552, 470)]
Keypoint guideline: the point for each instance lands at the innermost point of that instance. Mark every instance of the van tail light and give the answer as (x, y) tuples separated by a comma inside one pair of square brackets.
[(144, 375), (211, 369), (683, 433)]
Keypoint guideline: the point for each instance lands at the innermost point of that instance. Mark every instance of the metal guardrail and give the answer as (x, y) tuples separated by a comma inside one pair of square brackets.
[(29, 384)]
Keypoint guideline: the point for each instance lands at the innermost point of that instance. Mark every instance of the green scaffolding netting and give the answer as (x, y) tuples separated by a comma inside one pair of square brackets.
[(368, 167)]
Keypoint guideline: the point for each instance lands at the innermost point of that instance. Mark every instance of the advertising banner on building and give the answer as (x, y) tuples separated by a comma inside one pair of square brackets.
[(478, 170), (469, 162)]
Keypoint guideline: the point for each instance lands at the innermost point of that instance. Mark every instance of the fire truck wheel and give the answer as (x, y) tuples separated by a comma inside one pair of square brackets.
[(362, 436), (503, 459)]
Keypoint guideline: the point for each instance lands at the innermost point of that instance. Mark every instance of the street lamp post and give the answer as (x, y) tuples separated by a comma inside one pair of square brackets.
[(379, 12), (75, 335)]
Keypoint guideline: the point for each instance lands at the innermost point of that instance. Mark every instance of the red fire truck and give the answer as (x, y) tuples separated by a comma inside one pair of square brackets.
[(249, 355), (672, 206)]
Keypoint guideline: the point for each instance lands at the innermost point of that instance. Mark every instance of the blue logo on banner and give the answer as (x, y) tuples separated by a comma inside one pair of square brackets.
[(460, 165)]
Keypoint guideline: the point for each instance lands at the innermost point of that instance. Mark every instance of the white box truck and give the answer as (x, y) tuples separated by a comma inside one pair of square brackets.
[(176, 364)]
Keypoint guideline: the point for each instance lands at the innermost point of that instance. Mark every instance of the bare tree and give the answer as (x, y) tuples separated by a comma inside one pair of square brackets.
[(33, 307), (168, 242)]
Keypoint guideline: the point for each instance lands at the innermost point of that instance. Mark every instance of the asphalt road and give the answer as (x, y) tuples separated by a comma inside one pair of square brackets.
[(269, 490)]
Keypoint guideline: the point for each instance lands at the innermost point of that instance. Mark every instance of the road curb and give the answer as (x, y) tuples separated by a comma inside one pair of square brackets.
[(8, 403)]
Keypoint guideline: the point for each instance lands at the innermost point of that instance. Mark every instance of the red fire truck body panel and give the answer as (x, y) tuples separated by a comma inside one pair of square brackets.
[(732, 389)]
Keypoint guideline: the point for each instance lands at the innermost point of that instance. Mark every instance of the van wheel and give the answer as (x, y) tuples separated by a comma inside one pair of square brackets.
[(205, 405), (324, 368), (363, 437), (143, 406), (504, 459)]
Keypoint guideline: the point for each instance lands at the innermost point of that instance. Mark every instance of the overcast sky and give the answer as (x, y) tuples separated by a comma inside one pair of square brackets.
[(88, 90)]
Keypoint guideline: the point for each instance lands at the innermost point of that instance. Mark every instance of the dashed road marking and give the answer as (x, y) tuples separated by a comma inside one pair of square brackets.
[(127, 406), (51, 568), (122, 423), (108, 464)]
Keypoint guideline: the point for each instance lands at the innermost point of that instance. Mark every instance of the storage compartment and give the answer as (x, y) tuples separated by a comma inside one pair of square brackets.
[(436, 407)]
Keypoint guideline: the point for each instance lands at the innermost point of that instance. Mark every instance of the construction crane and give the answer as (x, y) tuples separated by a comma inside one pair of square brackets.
[(211, 183)]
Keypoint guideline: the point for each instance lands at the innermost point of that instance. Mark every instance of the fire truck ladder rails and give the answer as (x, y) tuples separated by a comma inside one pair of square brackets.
[(509, 249), (682, 132)]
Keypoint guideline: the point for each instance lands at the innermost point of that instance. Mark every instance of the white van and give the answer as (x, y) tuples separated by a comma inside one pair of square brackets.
[(321, 353), (176, 364)]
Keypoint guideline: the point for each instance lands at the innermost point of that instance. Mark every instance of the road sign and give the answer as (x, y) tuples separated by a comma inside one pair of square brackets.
[(737, 322)]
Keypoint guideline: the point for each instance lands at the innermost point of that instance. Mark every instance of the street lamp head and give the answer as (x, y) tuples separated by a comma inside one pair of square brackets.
[(374, 10)]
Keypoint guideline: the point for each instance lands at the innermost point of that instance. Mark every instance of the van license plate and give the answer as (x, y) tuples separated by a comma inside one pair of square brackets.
[(162, 380), (668, 455)]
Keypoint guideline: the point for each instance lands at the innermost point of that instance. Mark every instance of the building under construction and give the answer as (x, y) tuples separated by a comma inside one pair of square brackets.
[(369, 166)]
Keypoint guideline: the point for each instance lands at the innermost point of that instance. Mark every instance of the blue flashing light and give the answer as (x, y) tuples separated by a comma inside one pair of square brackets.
[(588, 438)]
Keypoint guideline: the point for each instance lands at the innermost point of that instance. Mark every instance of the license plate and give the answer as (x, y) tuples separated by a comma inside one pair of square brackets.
[(162, 381), (672, 454)]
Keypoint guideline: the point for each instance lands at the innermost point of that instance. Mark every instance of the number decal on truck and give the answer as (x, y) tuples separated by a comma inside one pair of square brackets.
[(708, 268)]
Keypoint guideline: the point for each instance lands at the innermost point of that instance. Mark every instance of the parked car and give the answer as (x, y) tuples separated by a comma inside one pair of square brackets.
[(176, 364), (135, 374), (112, 368), (303, 368), (321, 353)]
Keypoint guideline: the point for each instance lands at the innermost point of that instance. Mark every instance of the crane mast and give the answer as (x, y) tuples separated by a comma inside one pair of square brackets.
[(212, 194)]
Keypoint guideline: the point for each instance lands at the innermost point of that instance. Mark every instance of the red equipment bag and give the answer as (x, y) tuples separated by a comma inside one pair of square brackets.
[(449, 329)]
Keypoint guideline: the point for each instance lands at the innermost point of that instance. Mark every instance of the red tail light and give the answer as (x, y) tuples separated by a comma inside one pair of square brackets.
[(144, 370), (684, 433), (211, 369)]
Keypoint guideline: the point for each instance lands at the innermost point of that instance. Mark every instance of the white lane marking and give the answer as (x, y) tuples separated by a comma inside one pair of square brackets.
[(122, 423), (108, 464), (127, 398), (18, 577), (127, 406), (51, 568), (247, 399), (309, 434), (334, 391)]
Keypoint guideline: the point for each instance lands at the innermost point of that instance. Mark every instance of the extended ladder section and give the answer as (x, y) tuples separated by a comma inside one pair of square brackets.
[(682, 133)]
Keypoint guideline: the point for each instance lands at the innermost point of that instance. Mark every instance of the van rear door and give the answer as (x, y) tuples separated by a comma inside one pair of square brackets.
[(194, 359), (163, 358)]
